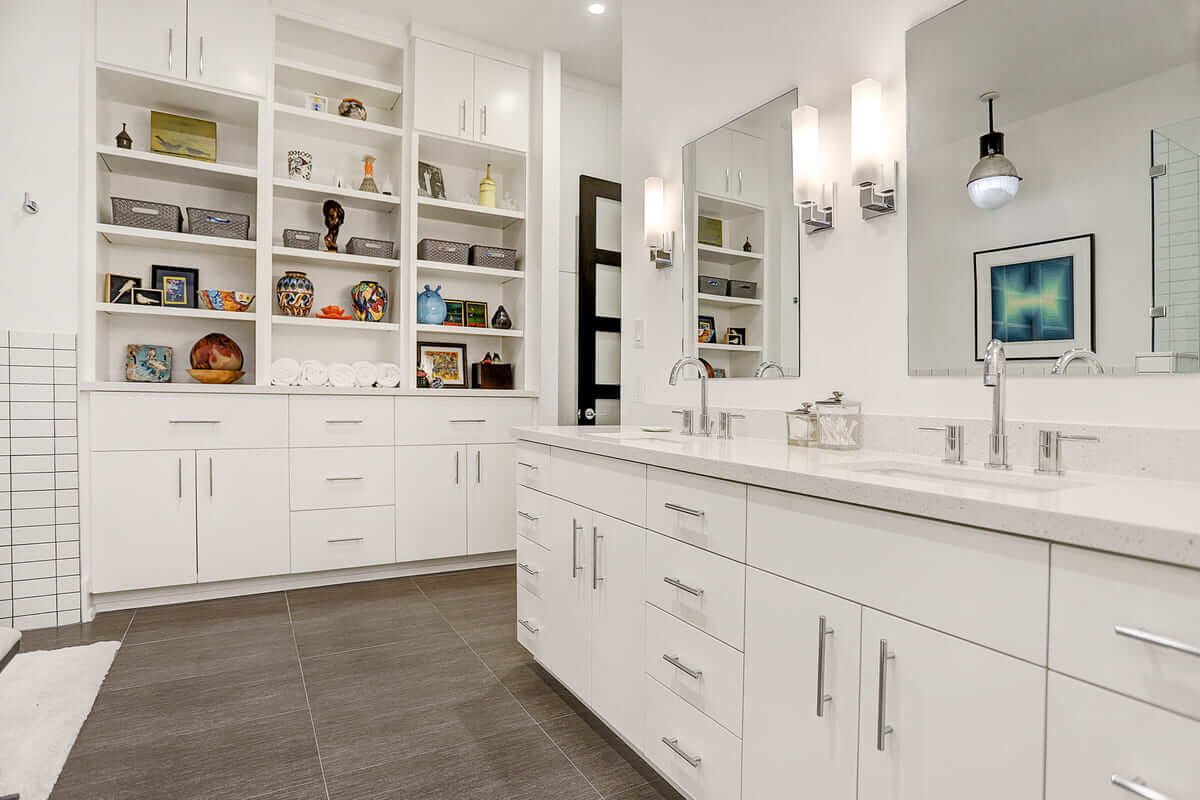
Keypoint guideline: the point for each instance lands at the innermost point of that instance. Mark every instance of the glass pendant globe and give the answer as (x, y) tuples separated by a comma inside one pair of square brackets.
[(994, 192)]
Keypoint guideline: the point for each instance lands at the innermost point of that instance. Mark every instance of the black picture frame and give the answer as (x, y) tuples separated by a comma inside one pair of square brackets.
[(430, 182), (118, 289), (456, 314), (459, 349), (475, 314), (147, 297), (707, 323), (166, 278)]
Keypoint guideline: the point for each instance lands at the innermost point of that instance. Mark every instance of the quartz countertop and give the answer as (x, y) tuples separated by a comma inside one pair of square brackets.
[(1147, 518)]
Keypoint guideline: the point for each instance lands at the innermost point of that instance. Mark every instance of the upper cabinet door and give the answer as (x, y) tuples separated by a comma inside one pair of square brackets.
[(242, 522), (714, 171), (151, 37), (225, 44), (445, 90), (502, 104), (491, 498), (748, 177)]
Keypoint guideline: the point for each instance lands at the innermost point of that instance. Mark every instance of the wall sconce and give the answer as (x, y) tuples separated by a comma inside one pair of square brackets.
[(660, 241), (866, 150), (806, 170)]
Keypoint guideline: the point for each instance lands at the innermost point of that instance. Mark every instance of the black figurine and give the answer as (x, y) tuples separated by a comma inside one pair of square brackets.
[(124, 140), (335, 215), (501, 319), (746, 246)]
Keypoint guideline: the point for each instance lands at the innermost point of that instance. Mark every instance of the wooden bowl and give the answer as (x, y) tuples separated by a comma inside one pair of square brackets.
[(216, 375)]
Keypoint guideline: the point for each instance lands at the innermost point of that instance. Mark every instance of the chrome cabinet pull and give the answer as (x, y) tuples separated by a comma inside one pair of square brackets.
[(528, 626), (201, 55), (457, 481), (344, 477), (181, 478), (528, 570), (683, 587), (468, 420), (739, 182), (478, 467), (575, 529), (679, 665), (170, 49), (194, 421), (727, 180), (530, 517), (1155, 639), (483, 121), (693, 761), (596, 577), (1138, 788), (343, 422), (527, 465), (691, 512), (823, 633), (462, 125), (210, 477), (882, 729), (345, 539)]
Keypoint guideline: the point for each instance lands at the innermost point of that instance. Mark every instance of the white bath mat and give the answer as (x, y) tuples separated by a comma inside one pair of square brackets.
[(44, 698)]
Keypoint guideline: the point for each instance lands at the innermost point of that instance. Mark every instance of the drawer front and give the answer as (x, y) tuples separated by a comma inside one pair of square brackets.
[(135, 421), (328, 420), (706, 512), (695, 666), (986, 587), (532, 561), (608, 485), (533, 516), (529, 621), (532, 465), (703, 759), (459, 420), (1092, 595), (1093, 735), (343, 538), (700, 588), (335, 477)]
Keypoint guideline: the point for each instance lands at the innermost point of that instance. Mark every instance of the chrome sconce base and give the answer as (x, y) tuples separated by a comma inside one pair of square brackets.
[(664, 256), (876, 202), (817, 218)]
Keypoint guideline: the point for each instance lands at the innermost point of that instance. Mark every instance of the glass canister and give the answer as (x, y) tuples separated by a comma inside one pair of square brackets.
[(800, 426), (839, 423)]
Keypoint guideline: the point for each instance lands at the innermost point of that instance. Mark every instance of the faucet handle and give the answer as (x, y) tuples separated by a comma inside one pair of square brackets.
[(685, 422), (955, 440), (725, 424), (1049, 450)]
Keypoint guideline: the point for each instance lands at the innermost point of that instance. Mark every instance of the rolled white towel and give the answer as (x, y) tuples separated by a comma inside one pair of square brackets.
[(313, 373), (285, 372), (341, 375), (365, 373), (389, 374)]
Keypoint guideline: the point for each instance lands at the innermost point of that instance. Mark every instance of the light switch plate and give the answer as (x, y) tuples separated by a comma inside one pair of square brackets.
[(639, 334)]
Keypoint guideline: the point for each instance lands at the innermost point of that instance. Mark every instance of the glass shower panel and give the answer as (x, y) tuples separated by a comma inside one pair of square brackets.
[(1176, 209)]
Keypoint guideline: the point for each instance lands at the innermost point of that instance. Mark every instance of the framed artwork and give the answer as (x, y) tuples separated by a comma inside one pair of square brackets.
[(178, 284), (120, 288), (147, 297), (706, 329), (711, 231), (186, 137), (735, 336), (444, 360), (430, 182), (454, 314), (1039, 299), (477, 314)]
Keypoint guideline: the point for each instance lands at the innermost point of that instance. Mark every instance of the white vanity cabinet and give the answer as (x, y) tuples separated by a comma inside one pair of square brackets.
[(732, 164)]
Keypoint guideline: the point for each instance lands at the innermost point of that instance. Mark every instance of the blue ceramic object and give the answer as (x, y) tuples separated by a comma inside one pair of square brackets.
[(431, 308), (148, 363)]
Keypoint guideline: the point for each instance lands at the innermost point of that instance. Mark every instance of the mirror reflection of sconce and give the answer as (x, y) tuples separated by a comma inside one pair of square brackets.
[(806, 171), (866, 150), (994, 180), (660, 241)]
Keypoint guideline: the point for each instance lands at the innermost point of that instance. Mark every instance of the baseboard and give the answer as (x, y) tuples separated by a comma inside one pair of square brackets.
[(140, 598)]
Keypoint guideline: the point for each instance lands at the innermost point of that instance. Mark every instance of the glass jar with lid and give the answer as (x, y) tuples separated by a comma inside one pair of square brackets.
[(801, 428), (839, 423)]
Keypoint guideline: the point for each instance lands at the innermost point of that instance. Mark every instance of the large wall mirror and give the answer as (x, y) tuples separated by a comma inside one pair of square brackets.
[(1095, 246), (741, 293)]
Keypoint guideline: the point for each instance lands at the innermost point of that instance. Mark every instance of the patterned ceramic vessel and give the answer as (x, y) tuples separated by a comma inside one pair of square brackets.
[(148, 363), (299, 165), (352, 108), (431, 308), (370, 301), (217, 351), (294, 294)]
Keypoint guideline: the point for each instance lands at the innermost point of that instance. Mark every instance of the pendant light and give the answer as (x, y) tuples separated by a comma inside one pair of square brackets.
[(994, 180)]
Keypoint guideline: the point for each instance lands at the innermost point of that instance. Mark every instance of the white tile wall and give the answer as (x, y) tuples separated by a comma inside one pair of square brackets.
[(39, 480)]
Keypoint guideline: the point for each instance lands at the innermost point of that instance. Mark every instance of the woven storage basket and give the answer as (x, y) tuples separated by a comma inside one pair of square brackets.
[(747, 289), (361, 246), (141, 214), (498, 257), (305, 240), (226, 224), (442, 250), (713, 285)]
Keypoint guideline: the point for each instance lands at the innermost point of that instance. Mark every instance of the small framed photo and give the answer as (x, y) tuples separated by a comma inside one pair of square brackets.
[(711, 232), (178, 285), (706, 329), (477, 314), (735, 336), (147, 297), (444, 360), (120, 288), (455, 314), (430, 182), (316, 102)]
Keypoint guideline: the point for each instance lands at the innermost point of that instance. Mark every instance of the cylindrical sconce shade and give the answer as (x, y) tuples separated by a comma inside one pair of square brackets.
[(866, 132), (806, 155), (655, 215)]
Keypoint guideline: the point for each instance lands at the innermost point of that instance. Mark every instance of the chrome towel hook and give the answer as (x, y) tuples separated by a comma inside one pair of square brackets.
[(30, 205)]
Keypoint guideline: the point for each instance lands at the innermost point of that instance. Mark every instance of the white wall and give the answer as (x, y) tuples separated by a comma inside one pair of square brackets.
[(853, 279)]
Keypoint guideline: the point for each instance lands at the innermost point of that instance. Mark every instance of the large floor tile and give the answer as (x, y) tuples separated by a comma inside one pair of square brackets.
[(470, 580), (657, 790), (319, 601), (607, 762), (412, 622), (541, 696), (206, 617), (107, 627)]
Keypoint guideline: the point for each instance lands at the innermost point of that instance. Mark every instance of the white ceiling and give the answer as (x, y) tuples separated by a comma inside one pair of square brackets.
[(590, 44)]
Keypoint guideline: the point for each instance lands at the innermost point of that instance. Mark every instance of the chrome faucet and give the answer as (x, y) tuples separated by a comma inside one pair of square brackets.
[(994, 375), (1077, 354), (761, 370), (704, 423)]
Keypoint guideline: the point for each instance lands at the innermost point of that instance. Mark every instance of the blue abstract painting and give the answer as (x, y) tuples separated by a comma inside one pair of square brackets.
[(1034, 301)]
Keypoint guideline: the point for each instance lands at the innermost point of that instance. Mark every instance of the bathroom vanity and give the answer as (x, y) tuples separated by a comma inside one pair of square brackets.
[(764, 621)]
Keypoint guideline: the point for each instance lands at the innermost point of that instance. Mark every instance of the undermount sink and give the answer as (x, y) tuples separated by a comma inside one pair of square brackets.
[(638, 436), (967, 476)]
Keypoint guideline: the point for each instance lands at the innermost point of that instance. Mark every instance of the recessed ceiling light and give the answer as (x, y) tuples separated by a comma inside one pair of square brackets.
[(596, 8)]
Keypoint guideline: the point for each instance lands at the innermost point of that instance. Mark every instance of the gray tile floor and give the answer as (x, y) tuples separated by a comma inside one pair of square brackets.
[(400, 689)]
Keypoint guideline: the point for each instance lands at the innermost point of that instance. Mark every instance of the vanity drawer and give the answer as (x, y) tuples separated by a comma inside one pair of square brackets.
[(343, 538), (698, 587), (326, 420), (533, 516), (613, 487), (706, 512), (459, 420), (1093, 594), (532, 465), (529, 621), (136, 421), (703, 759), (989, 588), (1093, 735), (717, 690), (532, 560), (335, 477)]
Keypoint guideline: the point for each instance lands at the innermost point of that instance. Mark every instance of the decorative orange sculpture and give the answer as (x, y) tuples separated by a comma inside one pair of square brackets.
[(333, 312)]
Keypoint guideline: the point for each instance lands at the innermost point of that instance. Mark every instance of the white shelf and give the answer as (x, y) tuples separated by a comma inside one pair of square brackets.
[(144, 237), (315, 322), (327, 125), (336, 84), (169, 311), (735, 348), (467, 213), (726, 255), (718, 299), (456, 330), (175, 95), (299, 255), (490, 273), (353, 198), (710, 205), (160, 167)]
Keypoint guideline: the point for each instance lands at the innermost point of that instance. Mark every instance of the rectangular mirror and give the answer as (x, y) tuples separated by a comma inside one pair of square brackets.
[(1079, 227), (741, 261)]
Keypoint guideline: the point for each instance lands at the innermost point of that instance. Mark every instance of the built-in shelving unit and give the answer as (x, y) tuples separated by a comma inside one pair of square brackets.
[(726, 255), (732, 348), (144, 237), (350, 198), (324, 257), (334, 324), (490, 273), (458, 330), (180, 313), (468, 213), (721, 300), (159, 167)]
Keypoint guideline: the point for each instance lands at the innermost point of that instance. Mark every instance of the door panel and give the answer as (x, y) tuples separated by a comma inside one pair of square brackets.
[(567, 601), (598, 370), (225, 44), (151, 37), (444, 94), (491, 498), (242, 517), (714, 160), (431, 501), (501, 103), (749, 176), (617, 556)]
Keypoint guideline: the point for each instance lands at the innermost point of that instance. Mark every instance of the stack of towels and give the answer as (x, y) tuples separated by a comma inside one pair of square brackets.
[(362, 374)]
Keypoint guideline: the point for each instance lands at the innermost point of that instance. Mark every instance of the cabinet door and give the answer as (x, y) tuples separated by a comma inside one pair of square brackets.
[(617, 552), (242, 517), (567, 601), (143, 519), (749, 168), (491, 498), (955, 715), (151, 37), (225, 44), (714, 171), (790, 663), (444, 89), (431, 501), (501, 103)]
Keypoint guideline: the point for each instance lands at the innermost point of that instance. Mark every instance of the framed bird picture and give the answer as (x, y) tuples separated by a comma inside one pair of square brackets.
[(186, 137)]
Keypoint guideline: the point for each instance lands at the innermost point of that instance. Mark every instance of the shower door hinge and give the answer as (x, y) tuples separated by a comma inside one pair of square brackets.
[(1158, 312), (1158, 170)]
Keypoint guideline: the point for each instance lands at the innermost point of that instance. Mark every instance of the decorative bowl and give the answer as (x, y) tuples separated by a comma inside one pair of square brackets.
[(216, 351), (216, 375), (224, 300)]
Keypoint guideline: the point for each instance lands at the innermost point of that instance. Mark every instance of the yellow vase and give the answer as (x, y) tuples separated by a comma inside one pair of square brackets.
[(487, 190)]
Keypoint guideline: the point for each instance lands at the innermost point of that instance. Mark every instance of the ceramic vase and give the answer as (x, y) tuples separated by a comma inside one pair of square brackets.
[(217, 351), (352, 108), (431, 308), (487, 190), (368, 181), (501, 319), (294, 294), (299, 165), (370, 301)]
